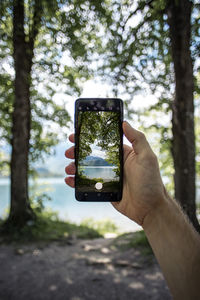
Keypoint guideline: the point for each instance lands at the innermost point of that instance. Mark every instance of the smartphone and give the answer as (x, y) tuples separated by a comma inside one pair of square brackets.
[(98, 149)]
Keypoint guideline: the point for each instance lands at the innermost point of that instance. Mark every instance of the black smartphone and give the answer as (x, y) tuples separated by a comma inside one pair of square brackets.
[(98, 149)]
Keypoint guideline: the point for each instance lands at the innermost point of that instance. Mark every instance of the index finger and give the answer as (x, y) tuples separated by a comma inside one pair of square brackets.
[(71, 138)]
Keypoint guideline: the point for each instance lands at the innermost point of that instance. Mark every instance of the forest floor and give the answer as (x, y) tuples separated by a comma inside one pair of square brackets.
[(76, 269)]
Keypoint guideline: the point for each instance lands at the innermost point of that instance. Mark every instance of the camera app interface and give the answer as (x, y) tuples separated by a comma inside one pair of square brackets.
[(98, 151)]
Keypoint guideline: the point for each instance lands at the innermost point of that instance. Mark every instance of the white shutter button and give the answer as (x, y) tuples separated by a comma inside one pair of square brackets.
[(98, 185)]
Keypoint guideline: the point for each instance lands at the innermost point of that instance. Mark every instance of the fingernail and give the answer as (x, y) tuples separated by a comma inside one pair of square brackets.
[(127, 123)]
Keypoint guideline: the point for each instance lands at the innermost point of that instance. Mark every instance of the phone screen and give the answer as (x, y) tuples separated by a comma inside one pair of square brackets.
[(99, 153)]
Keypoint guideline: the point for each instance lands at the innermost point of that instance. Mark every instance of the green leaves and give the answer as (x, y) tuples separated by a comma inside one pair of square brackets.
[(59, 38), (100, 128)]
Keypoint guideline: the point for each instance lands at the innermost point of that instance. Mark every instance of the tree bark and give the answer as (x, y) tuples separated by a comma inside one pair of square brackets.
[(179, 19), (20, 211)]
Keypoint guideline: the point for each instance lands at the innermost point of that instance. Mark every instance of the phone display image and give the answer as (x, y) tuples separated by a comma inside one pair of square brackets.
[(98, 166)]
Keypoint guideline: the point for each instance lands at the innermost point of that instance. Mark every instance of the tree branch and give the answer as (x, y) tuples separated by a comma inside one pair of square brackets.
[(35, 27)]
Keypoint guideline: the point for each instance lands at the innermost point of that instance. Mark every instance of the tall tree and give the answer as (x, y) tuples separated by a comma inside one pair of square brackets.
[(179, 19), (42, 33), (148, 48), (20, 210)]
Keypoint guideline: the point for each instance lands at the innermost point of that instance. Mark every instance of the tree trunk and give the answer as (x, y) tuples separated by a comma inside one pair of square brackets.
[(20, 211), (179, 19)]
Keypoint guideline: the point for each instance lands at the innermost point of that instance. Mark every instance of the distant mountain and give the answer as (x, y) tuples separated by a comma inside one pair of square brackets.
[(95, 161), (44, 172), (50, 166)]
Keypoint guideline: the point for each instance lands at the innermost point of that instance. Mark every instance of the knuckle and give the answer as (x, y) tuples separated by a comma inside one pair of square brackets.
[(140, 138), (150, 157), (141, 135)]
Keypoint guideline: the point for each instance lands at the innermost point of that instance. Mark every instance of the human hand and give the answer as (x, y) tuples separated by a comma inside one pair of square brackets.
[(143, 189)]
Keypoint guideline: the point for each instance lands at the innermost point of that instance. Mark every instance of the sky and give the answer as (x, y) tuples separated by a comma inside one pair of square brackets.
[(96, 151), (99, 90)]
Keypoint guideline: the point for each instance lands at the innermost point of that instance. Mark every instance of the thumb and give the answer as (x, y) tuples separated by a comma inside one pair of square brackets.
[(136, 138)]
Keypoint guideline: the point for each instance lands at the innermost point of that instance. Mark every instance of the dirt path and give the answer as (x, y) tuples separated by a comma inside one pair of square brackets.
[(91, 269)]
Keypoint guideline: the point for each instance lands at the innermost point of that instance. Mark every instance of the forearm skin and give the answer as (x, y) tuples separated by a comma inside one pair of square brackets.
[(177, 248)]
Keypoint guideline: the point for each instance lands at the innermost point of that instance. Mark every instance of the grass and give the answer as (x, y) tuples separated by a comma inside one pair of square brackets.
[(101, 226), (47, 228), (136, 240)]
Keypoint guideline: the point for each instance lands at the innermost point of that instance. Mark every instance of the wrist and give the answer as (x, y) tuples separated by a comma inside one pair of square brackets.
[(157, 214)]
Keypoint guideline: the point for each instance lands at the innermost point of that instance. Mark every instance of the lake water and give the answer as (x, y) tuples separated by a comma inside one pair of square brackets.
[(68, 208), (105, 172)]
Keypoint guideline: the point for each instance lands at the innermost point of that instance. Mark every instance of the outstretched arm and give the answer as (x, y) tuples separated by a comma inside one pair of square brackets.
[(177, 248), (174, 241)]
